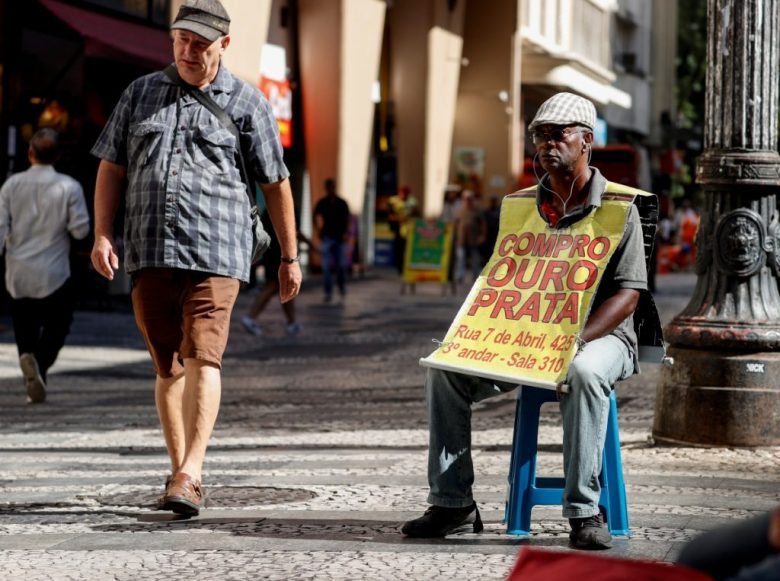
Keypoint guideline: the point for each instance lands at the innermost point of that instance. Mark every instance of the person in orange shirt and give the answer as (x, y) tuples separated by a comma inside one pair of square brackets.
[(686, 225)]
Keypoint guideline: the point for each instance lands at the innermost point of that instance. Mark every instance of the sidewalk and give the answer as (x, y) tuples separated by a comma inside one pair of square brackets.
[(318, 455)]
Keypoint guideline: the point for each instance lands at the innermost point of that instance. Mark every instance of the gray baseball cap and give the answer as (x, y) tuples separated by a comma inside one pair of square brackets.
[(207, 18), (565, 109)]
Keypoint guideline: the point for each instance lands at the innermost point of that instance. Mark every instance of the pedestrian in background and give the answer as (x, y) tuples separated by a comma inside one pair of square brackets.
[(686, 224), (271, 262), (449, 215), (470, 235), (451, 206), (492, 223), (331, 218), (188, 231), (403, 206), (40, 210)]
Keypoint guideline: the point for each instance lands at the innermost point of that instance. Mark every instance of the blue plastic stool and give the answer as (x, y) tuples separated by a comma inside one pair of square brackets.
[(526, 490)]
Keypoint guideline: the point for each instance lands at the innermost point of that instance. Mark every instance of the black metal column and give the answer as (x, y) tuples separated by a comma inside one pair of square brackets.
[(724, 388)]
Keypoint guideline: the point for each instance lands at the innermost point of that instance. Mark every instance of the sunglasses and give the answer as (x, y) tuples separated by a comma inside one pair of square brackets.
[(555, 135)]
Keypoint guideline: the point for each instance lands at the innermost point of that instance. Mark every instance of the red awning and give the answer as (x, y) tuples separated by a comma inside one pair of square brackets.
[(108, 37)]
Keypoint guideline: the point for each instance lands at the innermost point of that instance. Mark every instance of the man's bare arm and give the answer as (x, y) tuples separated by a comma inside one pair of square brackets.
[(278, 198), (610, 314), (109, 189)]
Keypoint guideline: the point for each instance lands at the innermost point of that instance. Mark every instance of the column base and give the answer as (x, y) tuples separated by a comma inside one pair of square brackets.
[(719, 398)]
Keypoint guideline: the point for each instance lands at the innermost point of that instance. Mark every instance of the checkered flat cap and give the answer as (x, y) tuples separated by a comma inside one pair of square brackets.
[(565, 109), (207, 18)]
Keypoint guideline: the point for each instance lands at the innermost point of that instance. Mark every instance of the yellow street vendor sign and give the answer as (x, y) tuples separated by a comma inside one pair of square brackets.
[(521, 318)]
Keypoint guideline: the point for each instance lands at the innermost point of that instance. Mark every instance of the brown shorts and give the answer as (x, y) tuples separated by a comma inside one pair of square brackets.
[(183, 315)]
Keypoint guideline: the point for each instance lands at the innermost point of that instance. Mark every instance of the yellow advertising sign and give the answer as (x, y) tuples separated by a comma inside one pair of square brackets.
[(522, 316), (427, 256)]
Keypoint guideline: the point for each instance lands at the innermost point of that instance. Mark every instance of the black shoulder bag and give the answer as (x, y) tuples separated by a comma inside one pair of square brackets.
[(260, 238)]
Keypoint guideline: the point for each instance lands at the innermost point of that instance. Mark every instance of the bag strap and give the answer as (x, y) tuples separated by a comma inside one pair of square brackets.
[(218, 112)]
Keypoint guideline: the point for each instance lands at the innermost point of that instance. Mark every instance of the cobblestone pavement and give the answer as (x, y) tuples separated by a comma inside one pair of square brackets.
[(318, 456)]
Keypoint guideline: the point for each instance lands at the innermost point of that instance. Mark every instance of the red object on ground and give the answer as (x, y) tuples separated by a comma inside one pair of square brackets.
[(544, 565)]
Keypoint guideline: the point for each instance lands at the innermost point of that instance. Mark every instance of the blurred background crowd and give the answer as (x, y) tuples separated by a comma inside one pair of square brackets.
[(416, 108)]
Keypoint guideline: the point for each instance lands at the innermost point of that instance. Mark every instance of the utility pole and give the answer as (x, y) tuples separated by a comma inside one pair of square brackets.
[(724, 387)]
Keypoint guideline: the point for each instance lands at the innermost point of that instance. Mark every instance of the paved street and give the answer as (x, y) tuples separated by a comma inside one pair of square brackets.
[(318, 455)]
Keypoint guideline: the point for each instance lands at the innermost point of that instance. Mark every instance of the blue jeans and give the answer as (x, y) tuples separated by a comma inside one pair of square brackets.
[(585, 409), (333, 258)]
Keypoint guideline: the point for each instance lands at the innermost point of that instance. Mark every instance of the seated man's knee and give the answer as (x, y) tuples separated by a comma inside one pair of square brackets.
[(584, 375), (435, 377)]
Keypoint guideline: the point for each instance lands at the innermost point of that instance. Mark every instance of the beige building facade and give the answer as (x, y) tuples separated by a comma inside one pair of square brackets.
[(443, 89)]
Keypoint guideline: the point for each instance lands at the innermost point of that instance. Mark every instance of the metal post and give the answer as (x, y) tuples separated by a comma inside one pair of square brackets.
[(724, 388)]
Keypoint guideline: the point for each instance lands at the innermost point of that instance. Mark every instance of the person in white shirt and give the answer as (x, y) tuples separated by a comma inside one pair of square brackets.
[(40, 209)]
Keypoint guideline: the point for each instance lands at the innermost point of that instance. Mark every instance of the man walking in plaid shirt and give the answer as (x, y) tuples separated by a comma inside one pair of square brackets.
[(187, 226)]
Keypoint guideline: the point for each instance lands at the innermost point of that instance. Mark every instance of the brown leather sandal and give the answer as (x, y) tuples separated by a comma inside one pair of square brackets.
[(158, 504), (184, 495)]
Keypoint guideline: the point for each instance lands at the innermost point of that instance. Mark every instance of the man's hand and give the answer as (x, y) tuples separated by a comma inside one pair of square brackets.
[(109, 189), (278, 199), (104, 257), (289, 281)]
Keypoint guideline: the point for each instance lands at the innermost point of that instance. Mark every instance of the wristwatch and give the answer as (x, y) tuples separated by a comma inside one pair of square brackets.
[(290, 260)]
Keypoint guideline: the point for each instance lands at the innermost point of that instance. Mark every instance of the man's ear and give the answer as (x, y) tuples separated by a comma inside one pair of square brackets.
[(587, 139), (225, 42)]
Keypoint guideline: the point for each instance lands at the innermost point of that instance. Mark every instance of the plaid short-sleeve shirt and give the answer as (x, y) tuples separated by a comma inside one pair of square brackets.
[(186, 205)]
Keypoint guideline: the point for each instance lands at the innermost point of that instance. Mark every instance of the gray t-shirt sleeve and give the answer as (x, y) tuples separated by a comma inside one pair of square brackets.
[(629, 260), (626, 269)]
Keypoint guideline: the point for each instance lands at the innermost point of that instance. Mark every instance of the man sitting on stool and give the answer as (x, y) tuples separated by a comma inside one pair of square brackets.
[(567, 194)]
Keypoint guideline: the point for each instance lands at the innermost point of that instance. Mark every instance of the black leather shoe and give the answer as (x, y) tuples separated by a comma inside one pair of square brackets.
[(589, 534), (439, 521)]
